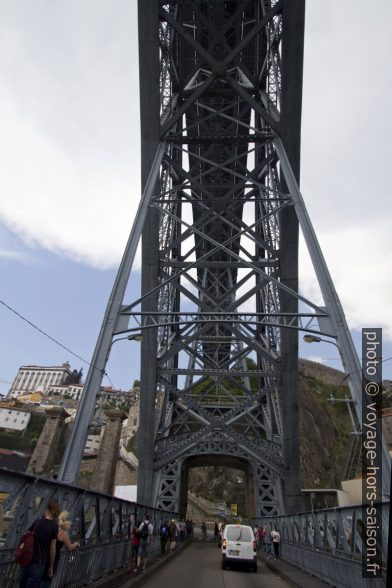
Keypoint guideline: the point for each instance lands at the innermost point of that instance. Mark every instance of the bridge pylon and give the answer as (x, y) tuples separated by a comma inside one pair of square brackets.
[(220, 311)]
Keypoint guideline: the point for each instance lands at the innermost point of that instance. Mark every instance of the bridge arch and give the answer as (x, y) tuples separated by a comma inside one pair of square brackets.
[(226, 461), (264, 492)]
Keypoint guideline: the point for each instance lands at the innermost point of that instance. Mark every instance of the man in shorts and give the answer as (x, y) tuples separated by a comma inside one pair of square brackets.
[(145, 534)]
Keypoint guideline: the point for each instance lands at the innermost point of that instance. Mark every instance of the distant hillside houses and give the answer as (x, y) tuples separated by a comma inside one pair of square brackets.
[(14, 419), (35, 384), (73, 391)]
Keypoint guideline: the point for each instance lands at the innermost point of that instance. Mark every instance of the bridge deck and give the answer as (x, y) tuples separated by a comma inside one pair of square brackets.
[(199, 566)]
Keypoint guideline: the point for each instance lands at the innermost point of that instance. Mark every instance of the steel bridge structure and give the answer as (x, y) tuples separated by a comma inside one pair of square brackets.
[(219, 219)]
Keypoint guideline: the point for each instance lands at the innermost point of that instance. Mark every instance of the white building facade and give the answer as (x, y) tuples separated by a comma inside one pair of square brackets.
[(73, 391), (33, 378), (15, 420)]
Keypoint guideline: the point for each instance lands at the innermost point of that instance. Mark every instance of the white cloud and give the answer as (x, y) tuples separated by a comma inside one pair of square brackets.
[(12, 255), (360, 262), (11, 250), (69, 151), (69, 147), (347, 123)]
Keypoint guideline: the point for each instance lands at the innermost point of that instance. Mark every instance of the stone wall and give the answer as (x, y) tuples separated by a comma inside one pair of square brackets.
[(125, 476), (103, 477), (44, 454)]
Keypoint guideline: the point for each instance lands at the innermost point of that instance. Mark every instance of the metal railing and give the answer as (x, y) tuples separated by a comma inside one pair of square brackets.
[(101, 523), (329, 543)]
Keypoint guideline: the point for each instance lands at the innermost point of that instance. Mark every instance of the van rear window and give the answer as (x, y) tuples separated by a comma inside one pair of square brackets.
[(239, 534)]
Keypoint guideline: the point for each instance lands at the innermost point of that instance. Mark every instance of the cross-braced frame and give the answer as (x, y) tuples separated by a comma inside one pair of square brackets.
[(220, 86), (218, 282)]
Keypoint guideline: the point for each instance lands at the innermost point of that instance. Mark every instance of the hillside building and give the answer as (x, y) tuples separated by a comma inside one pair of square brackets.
[(13, 419), (73, 391), (34, 378)]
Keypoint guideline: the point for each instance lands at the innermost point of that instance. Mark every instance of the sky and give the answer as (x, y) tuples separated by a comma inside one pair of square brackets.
[(69, 171)]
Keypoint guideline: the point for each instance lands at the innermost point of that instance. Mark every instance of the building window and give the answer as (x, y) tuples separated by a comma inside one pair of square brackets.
[(7, 419), (135, 422)]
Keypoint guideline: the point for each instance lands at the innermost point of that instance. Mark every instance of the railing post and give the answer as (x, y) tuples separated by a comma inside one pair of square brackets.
[(98, 518), (82, 522), (353, 531)]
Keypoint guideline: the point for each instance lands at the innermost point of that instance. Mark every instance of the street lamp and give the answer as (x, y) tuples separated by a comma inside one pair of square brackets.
[(314, 339), (135, 337)]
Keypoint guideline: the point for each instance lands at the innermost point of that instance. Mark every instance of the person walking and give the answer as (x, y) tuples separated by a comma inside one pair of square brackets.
[(135, 542), (188, 528), (164, 536), (145, 533), (204, 531), (260, 534), (181, 530), (46, 529), (62, 539), (216, 532), (172, 535), (275, 535), (267, 541)]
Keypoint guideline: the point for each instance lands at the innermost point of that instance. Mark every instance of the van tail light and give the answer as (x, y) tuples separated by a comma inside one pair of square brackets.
[(254, 546), (224, 544)]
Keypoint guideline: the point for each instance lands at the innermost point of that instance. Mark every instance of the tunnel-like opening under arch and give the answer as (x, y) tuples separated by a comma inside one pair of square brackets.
[(223, 461)]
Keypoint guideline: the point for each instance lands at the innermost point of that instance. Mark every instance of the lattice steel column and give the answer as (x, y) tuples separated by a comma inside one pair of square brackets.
[(219, 369)]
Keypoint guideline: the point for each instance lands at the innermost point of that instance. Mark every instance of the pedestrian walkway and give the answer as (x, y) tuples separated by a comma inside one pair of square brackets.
[(197, 564), (293, 575), (124, 578)]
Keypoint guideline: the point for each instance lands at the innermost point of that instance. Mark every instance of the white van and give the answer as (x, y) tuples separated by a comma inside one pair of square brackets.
[(239, 546)]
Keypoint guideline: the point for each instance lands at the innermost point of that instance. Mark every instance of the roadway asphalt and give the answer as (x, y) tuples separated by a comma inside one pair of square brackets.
[(199, 566)]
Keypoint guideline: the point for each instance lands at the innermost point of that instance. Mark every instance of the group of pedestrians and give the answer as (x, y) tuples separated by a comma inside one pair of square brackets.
[(266, 538), (173, 532), (50, 534)]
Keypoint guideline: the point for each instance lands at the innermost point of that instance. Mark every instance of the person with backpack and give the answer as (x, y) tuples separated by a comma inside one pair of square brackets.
[(36, 551), (145, 533), (62, 539), (164, 536), (135, 542)]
